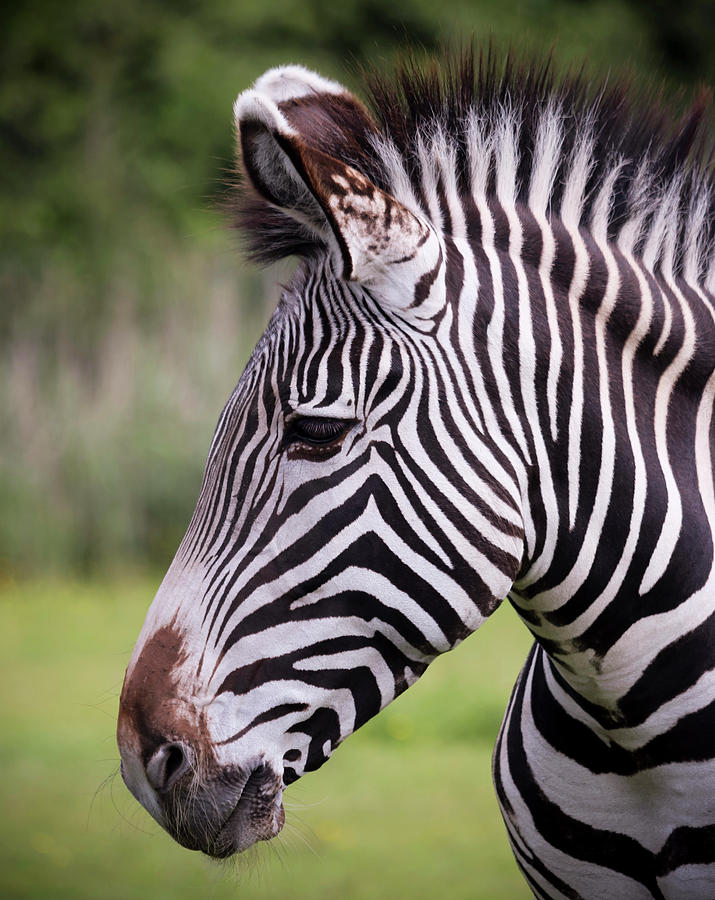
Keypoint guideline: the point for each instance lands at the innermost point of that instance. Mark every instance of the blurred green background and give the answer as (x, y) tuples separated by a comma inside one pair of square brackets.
[(126, 315)]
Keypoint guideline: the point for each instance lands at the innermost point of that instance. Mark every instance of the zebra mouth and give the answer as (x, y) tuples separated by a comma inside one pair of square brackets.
[(257, 816)]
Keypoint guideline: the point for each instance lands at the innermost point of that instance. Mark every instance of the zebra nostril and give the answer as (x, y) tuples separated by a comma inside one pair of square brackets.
[(167, 765)]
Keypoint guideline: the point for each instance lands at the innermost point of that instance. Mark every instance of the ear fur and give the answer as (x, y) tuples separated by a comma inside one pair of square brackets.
[(267, 143), (367, 228)]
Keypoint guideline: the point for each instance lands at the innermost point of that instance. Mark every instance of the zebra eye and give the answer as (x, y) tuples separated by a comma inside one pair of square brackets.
[(316, 431)]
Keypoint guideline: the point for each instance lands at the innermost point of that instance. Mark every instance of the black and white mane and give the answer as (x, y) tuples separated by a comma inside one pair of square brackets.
[(606, 154)]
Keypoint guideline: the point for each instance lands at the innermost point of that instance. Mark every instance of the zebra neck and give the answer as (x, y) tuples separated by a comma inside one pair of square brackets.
[(605, 398)]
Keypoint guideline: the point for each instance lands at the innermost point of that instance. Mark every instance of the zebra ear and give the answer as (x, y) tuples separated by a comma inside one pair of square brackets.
[(270, 151), (367, 229)]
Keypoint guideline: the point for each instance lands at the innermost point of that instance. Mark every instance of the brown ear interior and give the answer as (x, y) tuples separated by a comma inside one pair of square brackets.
[(336, 124), (319, 172), (298, 179)]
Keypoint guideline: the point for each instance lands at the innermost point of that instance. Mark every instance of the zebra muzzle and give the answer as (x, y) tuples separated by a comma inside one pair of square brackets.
[(220, 812), (225, 814)]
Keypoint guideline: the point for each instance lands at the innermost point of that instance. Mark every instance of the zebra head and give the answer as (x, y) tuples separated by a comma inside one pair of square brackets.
[(357, 515)]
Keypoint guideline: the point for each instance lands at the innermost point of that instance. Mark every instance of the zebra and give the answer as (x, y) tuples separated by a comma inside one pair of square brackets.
[(491, 376)]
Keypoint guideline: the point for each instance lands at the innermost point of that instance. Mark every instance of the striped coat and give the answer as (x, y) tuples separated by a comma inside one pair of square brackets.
[(492, 375)]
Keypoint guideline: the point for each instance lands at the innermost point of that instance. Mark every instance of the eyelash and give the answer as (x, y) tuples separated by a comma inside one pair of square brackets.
[(316, 432)]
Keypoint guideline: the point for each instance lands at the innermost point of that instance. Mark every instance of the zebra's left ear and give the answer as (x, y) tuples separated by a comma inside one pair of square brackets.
[(373, 234)]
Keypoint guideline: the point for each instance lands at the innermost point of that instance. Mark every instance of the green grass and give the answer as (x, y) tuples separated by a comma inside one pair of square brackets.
[(405, 807)]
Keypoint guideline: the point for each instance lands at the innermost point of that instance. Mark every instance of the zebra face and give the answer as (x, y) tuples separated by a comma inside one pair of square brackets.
[(326, 563)]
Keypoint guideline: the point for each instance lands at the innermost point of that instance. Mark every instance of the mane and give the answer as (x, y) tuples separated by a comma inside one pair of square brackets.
[(606, 155)]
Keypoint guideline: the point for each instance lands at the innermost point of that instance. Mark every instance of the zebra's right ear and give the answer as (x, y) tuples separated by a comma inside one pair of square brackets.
[(365, 227)]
